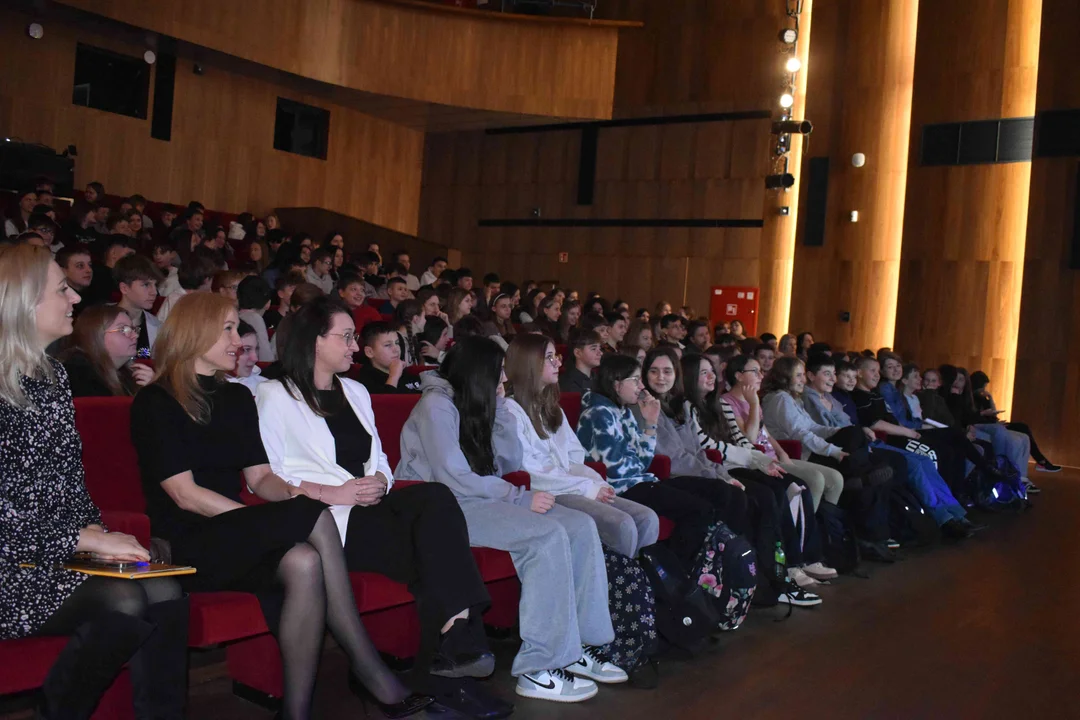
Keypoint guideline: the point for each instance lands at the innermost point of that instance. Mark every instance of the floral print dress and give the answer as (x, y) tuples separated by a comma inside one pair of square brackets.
[(43, 504)]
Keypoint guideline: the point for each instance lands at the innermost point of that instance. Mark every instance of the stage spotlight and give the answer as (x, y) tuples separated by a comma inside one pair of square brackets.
[(788, 36), (787, 100), (779, 182), (793, 65)]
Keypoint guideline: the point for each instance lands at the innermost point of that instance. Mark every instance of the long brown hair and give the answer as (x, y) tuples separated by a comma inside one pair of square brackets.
[(191, 329), (671, 402), (781, 375), (633, 334), (453, 303), (88, 339), (524, 370)]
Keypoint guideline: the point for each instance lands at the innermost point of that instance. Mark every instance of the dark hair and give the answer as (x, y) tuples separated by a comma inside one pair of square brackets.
[(581, 338), (508, 289), (373, 330), (613, 368), (819, 348), (253, 293), (397, 269), (736, 364), (591, 321), (468, 326), (65, 255), (613, 317), (135, 267), (669, 320), (761, 347), (433, 329), (671, 402), (395, 281), (112, 241), (464, 273), (323, 253), (347, 279), (913, 368), (706, 406), (96, 187), (766, 337), (404, 314), (491, 278), (799, 340), (297, 349), (979, 379), (242, 329), (473, 368), (844, 366), (438, 259), (816, 361), (194, 271), (304, 293)]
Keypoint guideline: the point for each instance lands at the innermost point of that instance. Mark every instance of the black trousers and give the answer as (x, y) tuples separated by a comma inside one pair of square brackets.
[(417, 536), (693, 504), (112, 622), (771, 519)]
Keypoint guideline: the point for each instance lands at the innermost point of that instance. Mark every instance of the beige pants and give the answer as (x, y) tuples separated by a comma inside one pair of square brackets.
[(821, 480)]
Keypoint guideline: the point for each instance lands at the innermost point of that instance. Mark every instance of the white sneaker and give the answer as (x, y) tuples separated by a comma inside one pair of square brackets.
[(820, 571), (798, 597), (800, 578), (556, 686), (593, 666)]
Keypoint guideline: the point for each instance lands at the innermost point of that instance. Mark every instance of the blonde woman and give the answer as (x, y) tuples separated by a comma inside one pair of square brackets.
[(195, 434), (48, 515)]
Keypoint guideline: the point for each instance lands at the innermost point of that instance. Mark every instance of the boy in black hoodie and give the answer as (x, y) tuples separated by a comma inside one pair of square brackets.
[(383, 371)]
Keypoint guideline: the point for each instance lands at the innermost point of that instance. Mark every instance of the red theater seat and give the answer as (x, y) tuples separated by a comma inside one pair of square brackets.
[(570, 402)]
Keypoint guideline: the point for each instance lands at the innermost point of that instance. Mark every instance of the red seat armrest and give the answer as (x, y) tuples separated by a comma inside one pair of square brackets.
[(881, 435), (715, 455), (598, 467), (661, 466), (398, 484), (129, 523), (519, 478), (792, 447)]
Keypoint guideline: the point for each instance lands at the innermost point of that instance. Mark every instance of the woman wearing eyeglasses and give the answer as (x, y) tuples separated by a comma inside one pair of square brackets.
[(99, 361)]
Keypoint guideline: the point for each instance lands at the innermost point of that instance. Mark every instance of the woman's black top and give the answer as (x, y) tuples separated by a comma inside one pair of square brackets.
[(43, 504), (169, 442), (352, 442), (84, 377)]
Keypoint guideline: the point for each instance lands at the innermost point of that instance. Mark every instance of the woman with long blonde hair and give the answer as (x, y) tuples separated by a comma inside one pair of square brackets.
[(195, 434), (99, 361), (48, 515)]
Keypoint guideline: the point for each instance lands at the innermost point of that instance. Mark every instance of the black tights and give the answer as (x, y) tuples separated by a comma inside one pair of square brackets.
[(318, 596), (1035, 451), (113, 622)]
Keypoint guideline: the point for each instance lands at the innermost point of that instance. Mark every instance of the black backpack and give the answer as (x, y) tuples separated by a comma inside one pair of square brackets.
[(908, 519), (726, 567), (685, 615), (838, 546)]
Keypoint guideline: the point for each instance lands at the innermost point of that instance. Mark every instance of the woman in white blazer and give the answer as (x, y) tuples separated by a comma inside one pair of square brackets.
[(553, 455), (319, 433)]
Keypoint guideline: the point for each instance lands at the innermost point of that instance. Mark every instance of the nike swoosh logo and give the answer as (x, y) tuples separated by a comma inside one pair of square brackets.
[(549, 686)]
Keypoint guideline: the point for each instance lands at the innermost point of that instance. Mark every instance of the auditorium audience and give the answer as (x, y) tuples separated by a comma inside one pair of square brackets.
[(253, 300), (77, 266), (461, 435), (397, 292), (48, 516), (247, 372), (137, 279), (382, 369), (639, 334), (433, 340), (984, 403), (194, 435)]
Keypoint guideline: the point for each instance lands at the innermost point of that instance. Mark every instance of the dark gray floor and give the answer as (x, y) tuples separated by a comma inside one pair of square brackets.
[(985, 629)]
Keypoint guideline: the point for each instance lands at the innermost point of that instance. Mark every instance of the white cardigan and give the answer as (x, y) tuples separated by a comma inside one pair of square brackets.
[(555, 464), (301, 448)]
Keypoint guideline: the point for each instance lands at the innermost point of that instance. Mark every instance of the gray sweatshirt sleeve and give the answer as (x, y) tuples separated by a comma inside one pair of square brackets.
[(787, 420), (509, 454), (438, 433)]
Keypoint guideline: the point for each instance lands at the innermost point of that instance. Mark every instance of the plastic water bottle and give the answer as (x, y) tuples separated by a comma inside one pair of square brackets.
[(780, 557)]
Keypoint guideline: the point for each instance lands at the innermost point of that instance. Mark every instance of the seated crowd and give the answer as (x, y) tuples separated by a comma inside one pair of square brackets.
[(253, 352)]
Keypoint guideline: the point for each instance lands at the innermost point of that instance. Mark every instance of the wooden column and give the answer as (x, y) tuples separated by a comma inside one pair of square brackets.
[(862, 90), (1048, 352), (964, 226), (778, 234)]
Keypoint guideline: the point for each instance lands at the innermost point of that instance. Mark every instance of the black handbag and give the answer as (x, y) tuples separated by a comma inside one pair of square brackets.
[(685, 615)]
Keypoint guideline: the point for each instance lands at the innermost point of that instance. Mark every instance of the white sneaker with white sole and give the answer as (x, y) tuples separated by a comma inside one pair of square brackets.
[(556, 686), (819, 571), (593, 666)]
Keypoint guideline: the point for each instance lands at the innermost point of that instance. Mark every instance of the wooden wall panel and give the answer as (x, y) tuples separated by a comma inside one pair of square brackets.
[(861, 71), (1047, 383), (221, 152), (964, 227), (417, 51)]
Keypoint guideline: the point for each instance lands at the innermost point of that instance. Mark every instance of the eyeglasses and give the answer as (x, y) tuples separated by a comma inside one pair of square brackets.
[(756, 371), (348, 336), (633, 379), (555, 360), (125, 330)]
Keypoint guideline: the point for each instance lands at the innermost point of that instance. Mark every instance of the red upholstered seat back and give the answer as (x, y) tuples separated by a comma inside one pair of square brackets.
[(112, 469), (391, 412), (570, 402)]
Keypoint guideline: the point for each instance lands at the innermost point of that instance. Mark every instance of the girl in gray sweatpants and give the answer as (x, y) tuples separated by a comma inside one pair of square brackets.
[(557, 555)]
